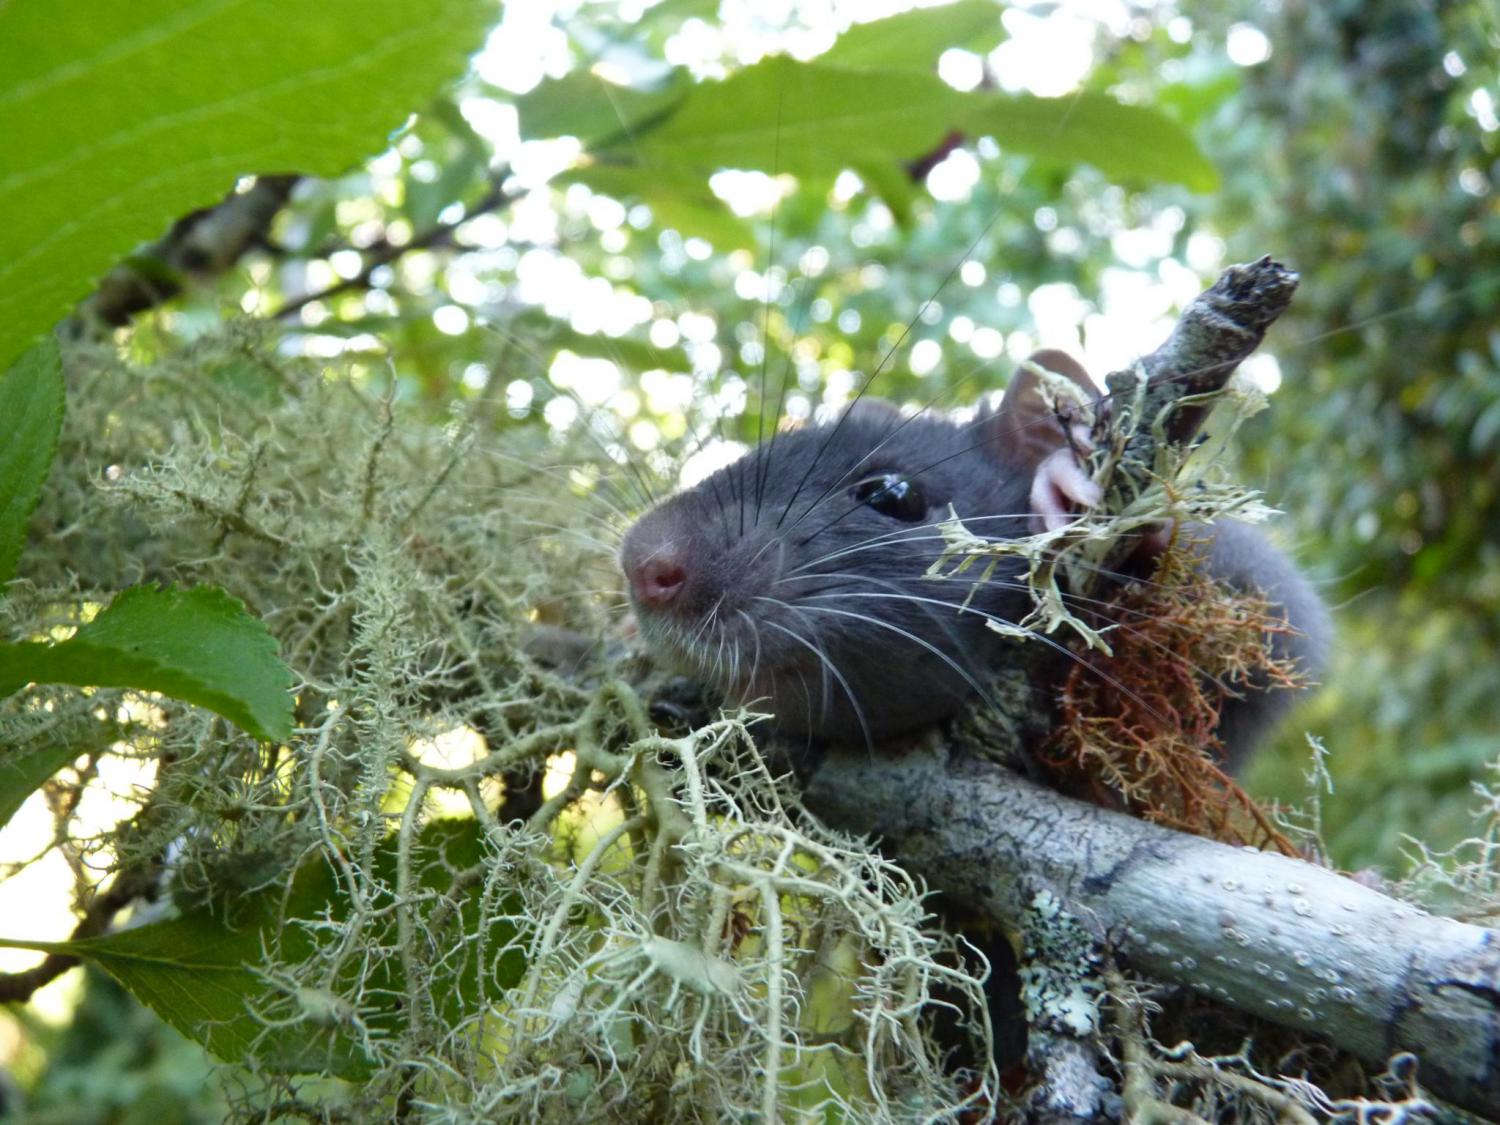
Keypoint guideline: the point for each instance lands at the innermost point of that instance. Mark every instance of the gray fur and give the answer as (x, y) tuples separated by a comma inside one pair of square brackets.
[(797, 597)]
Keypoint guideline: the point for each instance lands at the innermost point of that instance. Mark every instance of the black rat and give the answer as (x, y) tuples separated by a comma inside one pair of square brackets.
[(795, 580)]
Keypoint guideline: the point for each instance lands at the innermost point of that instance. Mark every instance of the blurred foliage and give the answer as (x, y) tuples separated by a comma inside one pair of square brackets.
[(1367, 148), (115, 1062)]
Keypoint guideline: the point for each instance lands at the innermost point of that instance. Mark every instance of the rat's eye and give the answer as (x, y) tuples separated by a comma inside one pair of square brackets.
[(894, 495)]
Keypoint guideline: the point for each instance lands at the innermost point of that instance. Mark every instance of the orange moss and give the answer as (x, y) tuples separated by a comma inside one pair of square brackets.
[(1136, 728)]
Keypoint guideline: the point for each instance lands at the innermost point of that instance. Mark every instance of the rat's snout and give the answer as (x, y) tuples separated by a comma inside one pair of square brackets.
[(661, 564), (657, 578)]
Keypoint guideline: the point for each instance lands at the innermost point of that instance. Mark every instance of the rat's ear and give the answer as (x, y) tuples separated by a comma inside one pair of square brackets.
[(1023, 430)]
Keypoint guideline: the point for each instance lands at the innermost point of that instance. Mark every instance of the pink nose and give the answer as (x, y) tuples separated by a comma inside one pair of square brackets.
[(656, 580)]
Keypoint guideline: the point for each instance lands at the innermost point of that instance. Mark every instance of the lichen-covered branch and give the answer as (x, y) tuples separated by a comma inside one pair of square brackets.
[(1214, 335), (1288, 941)]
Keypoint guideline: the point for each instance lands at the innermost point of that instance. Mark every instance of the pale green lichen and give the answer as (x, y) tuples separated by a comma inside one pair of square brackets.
[(694, 946), (1061, 982)]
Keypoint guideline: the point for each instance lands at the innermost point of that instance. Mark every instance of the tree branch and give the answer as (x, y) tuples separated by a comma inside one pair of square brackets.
[(494, 199), (201, 245), (1295, 944)]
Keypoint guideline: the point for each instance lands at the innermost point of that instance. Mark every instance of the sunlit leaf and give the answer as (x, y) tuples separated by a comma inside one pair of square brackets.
[(1122, 141), (915, 40), (118, 118), (583, 105), (31, 411), (783, 115), (199, 646)]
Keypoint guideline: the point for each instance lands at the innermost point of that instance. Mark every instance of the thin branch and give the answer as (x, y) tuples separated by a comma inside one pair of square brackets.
[(495, 199)]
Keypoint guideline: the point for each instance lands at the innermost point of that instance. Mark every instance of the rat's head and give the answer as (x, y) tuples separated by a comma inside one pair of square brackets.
[(795, 580)]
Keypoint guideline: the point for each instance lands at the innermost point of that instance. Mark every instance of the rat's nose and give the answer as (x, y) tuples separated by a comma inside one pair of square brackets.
[(658, 578)]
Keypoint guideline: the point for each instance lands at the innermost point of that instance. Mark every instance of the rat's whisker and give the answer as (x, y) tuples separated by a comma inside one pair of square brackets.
[(755, 635), (1035, 635), (831, 669), (928, 645)]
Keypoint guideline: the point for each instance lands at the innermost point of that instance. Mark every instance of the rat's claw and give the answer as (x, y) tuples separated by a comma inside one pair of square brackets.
[(1060, 487)]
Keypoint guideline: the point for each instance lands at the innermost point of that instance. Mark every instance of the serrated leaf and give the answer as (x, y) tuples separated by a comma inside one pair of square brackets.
[(1122, 141), (583, 105), (118, 118), (200, 646), (21, 774), (915, 40), (202, 972), (31, 412)]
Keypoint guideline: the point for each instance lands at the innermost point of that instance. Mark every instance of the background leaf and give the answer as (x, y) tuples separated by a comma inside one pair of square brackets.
[(199, 646), (583, 105), (1122, 141), (915, 40), (31, 412), (22, 771), (803, 117), (122, 117)]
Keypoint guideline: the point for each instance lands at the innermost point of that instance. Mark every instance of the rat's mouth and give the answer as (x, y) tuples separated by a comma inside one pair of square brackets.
[(771, 664), (723, 650)]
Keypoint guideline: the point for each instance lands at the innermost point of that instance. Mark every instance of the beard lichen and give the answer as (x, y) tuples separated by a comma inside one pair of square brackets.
[(482, 885)]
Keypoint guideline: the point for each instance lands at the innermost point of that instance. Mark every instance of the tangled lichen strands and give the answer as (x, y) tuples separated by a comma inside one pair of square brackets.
[(665, 936), (675, 962)]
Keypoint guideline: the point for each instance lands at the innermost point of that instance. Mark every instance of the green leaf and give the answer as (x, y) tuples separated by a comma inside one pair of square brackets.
[(583, 105), (788, 116), (199, 646), (1122, 141), (678, 199), (118, 118), (915, 40), (806, 118), (200, 971), (22, 771), (893, 185), (31, 411)]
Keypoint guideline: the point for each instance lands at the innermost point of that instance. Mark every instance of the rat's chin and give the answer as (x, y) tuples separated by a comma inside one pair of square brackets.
[(803, 694), (712, 656)]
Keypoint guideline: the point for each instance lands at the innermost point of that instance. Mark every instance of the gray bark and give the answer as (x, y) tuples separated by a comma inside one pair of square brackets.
[(1285, 940)]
